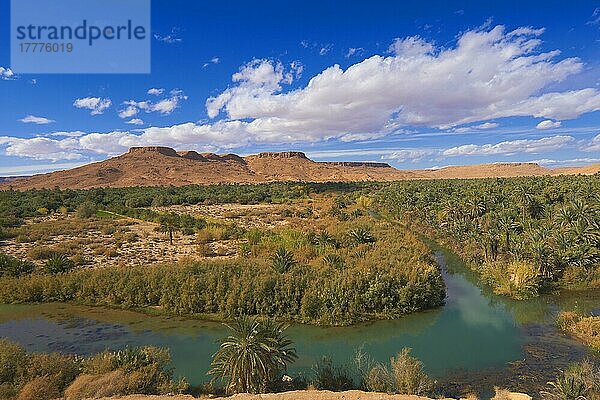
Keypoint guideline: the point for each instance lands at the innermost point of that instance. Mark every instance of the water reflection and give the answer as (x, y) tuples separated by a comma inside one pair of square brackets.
[(474, 331)]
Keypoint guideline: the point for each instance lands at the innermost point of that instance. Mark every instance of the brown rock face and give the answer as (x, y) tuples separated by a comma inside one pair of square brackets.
[(166, 151), (359, 164), (284, 154), (163, 166)]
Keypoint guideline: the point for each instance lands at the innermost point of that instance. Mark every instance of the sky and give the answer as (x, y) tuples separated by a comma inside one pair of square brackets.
[(416, 84)]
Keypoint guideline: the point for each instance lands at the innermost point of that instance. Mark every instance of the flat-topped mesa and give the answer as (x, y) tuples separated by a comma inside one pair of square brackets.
[(165, 151), (283, 154), (357, 164), (191, 155)]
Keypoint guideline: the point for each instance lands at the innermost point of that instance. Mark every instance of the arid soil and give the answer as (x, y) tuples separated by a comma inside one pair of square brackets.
[(126, 241), (163, 166)]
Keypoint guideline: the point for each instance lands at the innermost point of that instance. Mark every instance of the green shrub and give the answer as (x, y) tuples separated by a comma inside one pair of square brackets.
[(334, 261), (86, 210), (13, 361), (58, 263), (11, 266), (361, 236), (282, 260), (330, 377)]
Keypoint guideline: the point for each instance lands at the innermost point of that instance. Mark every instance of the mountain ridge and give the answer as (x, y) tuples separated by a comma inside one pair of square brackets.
[(164, 166)]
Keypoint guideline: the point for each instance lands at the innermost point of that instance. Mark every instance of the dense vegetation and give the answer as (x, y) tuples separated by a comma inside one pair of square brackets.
[(521, 234), (585, 329), (45, 376), (16, 205), (338, 267), (385, 281)]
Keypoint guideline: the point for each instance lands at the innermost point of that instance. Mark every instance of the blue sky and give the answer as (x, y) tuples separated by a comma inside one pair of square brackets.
[(414, 84)]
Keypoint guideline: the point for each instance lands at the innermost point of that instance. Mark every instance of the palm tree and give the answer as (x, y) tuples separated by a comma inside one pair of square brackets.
[(169, 223), (252, 357), (507, 225)]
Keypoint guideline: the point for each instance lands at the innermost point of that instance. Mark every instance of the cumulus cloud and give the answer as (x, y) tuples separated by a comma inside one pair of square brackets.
[(32, 119), (41, 148), (135, 121), (156, 91), (164, 106), (548, 124), (97, 105), (488, 74), (547, 144), (6, 74)]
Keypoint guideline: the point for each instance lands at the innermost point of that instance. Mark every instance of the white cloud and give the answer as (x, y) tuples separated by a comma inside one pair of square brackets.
[(164, 106), (170, 38), (97, 105), (548, 124), (354, 51), (156, 91), (484, 126), (564, 163), (409, 155), (7, 74), (595, 17), (489, 74), (40, 148), (214, 60), (17, 170), (487, 125), (547, 144), (325, 49), (72, 134), (593, 145), (135, 121), (32, 119)]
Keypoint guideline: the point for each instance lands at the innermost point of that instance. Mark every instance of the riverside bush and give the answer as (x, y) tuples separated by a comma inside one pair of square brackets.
[(44, 376)]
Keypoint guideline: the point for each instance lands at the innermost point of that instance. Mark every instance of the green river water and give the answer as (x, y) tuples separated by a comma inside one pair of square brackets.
[(474, 342)]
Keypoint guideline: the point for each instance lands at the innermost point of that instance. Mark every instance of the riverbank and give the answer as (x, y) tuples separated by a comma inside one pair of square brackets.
[(314, 395)]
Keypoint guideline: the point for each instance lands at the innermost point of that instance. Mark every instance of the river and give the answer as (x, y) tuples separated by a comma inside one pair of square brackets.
[(474, 342)]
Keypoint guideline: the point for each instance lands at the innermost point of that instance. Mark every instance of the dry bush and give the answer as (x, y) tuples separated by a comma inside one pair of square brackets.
[(379, 379), (409, 375), (61, 368), (12, 361), (40, 388), (501, 394), (40, 252), (204, 250), (96, 386), (586, 329)]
